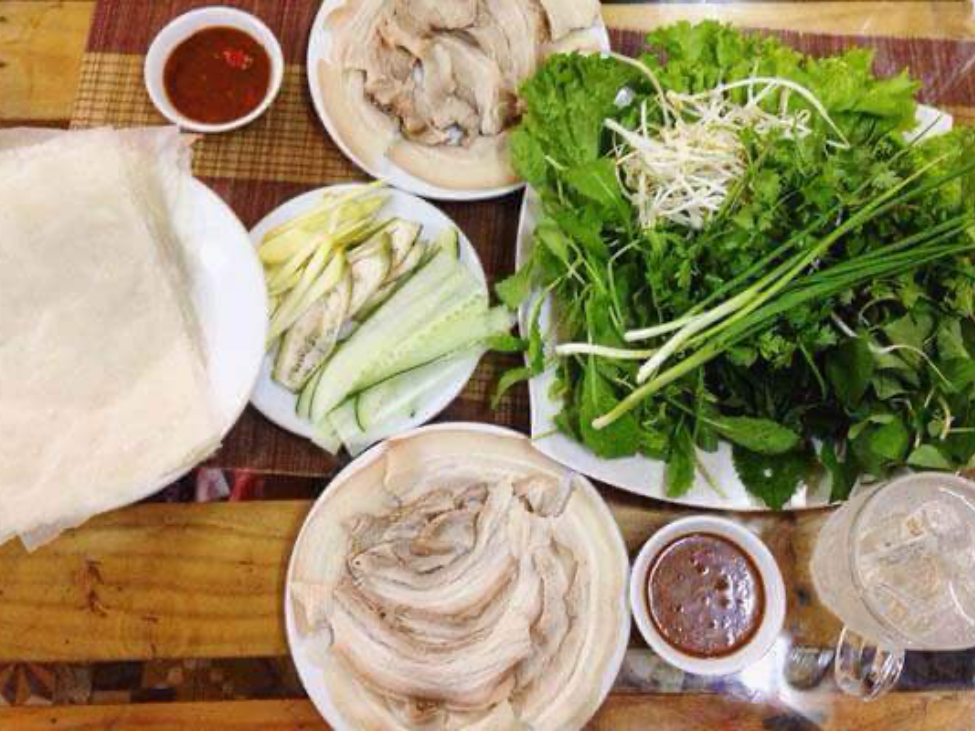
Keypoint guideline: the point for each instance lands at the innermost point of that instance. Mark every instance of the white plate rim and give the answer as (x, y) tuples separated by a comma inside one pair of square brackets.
[(619, 472), (311, 677), (248, 278), (266, 392), (318, 41)]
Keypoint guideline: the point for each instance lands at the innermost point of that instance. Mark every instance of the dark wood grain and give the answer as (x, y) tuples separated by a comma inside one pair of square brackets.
[(690, 712)]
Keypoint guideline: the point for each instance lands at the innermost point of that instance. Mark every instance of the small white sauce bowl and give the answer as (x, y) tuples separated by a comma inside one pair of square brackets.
[(182, 28), (772, 619)]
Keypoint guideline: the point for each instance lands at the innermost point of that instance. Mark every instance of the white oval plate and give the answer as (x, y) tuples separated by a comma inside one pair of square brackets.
[(642, 475), (320, 46), (230, 298), (305, 649), (278, 403)]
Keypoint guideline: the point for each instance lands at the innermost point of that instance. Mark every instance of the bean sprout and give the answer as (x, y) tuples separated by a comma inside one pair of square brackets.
[(683, 170)]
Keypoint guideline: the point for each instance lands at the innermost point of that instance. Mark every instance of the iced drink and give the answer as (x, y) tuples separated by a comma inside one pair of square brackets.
[(897, 563)]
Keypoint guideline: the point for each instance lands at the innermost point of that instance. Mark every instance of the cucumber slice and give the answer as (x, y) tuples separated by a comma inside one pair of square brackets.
[(460, 324), (431, 280), (398, 345), (324, 436), (312, 338), (390, 407), (400, 395), (353, 438), (303, 407), (449, 242), (343, 422), (464, 330), (441, 285)]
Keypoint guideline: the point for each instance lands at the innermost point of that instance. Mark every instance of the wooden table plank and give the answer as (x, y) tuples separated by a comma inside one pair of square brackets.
[(207, 581), (41, 44), (153, 581), (239, 716), (690, 712), (927, 19)]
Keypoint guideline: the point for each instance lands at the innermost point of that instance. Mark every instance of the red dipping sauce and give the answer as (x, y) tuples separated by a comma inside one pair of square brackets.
[(705, 595), (217, 75)]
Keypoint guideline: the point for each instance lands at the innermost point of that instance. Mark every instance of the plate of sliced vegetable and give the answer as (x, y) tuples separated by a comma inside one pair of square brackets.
[(745, 275), (379, 314)]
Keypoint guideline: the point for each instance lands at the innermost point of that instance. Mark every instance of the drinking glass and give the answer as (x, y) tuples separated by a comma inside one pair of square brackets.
[(896, 564)]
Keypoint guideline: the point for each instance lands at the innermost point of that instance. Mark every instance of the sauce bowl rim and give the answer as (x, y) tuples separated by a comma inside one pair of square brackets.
[(773, 617), (182, 27)]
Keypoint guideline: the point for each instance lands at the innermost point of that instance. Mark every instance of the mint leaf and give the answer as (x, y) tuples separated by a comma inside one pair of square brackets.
[(849, 369), (506, 343), (890, 440), (927, 456), (507, 380), (619, 439), (886, 386), (584, 226), (536, 348), (679, 473), (773, 479), (843, 475), (950, 342), (515, 289), (549, 235), (758, 435), (960, 373), (910, 330), (597, 182), (876, 445)]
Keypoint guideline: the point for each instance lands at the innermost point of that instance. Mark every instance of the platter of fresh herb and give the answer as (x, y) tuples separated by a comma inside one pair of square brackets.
[(745, 275)]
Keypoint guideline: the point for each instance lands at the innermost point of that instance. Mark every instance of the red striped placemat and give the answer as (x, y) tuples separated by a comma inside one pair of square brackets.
[(287, 152)]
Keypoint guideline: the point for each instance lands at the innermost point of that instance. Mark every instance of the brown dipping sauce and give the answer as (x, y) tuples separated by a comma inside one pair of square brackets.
[(217, 75), (705, 595)]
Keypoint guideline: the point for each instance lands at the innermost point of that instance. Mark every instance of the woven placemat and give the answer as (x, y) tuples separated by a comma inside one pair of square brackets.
[(287, 152)]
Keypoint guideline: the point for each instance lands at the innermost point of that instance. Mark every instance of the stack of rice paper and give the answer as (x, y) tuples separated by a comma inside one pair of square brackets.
[(103, 382)]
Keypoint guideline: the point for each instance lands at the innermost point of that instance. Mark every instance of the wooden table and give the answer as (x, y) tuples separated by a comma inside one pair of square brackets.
[(206, 581)]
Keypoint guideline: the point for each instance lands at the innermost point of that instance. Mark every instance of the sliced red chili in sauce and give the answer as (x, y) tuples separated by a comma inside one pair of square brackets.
[(217, 75)]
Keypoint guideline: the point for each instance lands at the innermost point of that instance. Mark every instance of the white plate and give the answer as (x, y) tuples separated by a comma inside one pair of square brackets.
[(319, 46), (230, 300), (305, 649), (278, 403), (639, 474)]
